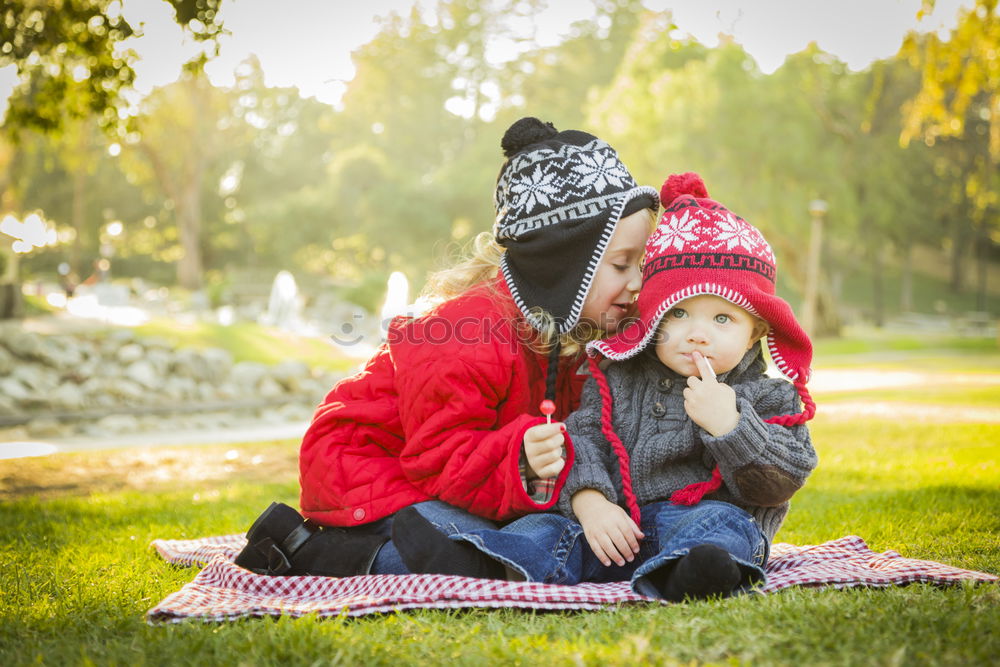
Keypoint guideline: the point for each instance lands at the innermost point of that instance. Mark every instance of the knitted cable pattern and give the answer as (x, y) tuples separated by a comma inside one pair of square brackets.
[(693, 493), (624, 465)]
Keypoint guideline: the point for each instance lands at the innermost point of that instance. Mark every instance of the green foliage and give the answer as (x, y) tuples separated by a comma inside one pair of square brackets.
[(69, 61), (259, 178)]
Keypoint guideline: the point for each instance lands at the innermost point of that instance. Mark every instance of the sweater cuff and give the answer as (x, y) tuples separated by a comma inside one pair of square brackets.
[(742, 445), (585, 476), (539, 495)]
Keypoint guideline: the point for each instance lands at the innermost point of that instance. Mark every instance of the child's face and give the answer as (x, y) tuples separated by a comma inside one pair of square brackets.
[(617, 279), (719, 329)]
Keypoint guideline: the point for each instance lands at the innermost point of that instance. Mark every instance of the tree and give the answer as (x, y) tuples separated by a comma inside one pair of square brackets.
[(958, 104), (70, 61), (179, 145)]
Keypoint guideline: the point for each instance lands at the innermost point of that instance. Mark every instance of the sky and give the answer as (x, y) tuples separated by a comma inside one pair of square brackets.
[(308, 43)]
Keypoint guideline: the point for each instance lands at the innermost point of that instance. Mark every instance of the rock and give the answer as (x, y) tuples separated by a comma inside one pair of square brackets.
[(13, 388), (118, 424), (187, 363), (142, 372), (60, 352), (8, 406), (128, 390), (130, 353), (229, 391), (208, 392), (291, 374), (6, 361), (268, 388), (160, 359), (69, 396), (48, 428), (248, 375), (20, 343), (218, 363), (179, 388), (41, 379)]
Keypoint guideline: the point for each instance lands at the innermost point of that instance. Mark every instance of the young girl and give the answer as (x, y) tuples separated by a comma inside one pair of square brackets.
[(685, 413), (445, 417)]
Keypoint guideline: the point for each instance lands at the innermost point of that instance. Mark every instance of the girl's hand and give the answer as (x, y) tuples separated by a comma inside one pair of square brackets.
[(709, 403), (610, 531), (543, 447)]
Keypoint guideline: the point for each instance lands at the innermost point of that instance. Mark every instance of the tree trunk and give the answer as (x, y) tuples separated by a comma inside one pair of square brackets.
[(906, 280), (878, 303), (982, 269), (189, 267), (78, 220), (957, 250)]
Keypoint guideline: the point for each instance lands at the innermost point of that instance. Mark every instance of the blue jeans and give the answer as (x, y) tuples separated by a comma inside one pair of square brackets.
[(550, 548), (449, 518)]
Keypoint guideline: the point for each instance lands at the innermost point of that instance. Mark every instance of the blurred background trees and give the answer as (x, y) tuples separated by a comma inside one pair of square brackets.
[(225, 186)]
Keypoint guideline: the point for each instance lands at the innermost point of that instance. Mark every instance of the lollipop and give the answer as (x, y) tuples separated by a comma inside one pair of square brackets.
[(547, 407)]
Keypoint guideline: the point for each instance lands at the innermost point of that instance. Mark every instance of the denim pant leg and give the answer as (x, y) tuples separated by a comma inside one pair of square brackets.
[(541, 547), (672, 530), (448, 519)]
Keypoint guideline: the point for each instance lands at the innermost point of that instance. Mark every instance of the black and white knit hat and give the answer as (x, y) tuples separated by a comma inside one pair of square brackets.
[(558, 200)]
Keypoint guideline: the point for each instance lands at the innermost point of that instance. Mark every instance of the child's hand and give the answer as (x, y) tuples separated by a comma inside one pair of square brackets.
[(543, 447), (710, 404), (610, 531)]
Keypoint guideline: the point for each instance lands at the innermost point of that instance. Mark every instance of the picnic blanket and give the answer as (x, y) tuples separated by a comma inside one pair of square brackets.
[(222, 591)]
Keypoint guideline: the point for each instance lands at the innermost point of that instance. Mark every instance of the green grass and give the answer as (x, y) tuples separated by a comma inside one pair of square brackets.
[(247, 341), (77, 574), (874, 348)]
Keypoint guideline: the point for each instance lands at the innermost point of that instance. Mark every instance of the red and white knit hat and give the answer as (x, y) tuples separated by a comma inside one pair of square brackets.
[(700, 247)]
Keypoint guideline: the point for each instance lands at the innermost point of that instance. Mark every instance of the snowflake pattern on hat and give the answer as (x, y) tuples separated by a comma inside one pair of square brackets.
[(674, 232)]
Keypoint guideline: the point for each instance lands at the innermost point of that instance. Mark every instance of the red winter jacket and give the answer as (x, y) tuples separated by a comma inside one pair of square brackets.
[(440, 413)]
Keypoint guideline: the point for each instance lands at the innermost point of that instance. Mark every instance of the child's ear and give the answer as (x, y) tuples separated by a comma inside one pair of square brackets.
[(760, 329)]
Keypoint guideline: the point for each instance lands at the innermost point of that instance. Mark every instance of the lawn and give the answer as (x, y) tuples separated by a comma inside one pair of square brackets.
[(78, 575)]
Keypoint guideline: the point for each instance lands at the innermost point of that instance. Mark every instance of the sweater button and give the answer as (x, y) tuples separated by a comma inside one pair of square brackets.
[(664, 384), (659, 409), (359, 514)]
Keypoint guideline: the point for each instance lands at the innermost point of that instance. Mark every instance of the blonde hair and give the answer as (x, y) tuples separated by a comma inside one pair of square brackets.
[(479, 266)]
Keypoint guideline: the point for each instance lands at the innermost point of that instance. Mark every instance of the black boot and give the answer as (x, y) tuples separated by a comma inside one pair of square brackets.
[(281, 542), (426, 550), (706, 571)]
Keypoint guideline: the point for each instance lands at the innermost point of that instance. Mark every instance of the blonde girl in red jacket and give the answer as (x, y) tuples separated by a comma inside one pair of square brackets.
[(446, 415)]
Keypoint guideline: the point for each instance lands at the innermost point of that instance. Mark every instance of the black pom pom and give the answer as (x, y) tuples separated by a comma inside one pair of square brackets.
[(527, 131)]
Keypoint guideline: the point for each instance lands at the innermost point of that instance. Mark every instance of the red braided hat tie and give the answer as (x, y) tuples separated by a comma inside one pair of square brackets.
[(624, 465)]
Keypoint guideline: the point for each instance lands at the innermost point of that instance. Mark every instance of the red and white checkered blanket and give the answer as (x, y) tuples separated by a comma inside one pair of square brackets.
[(222, 591)]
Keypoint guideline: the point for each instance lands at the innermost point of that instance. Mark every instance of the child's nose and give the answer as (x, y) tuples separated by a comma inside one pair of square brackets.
[(697, 334), (634, 281)]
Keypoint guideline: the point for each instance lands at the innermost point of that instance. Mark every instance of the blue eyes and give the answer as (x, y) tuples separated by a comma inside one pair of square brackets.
[(680, 313)]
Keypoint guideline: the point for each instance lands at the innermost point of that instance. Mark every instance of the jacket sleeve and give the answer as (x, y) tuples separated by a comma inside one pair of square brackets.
[(454, 448), (591, 467), (764, 464)]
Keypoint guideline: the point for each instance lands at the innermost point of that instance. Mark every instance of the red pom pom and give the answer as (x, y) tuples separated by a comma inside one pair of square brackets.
[(676, 185), (547, 407)]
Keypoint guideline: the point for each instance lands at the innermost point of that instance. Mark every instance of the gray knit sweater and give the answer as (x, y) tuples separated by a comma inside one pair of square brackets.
[(762, 464)]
